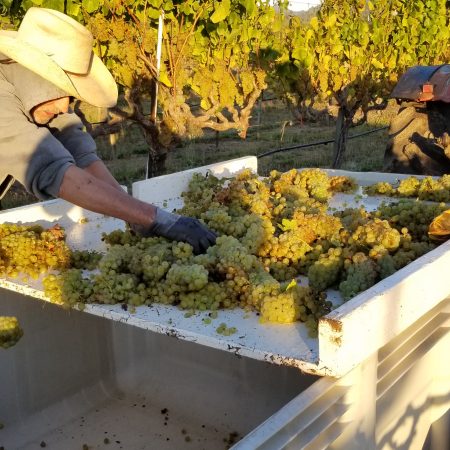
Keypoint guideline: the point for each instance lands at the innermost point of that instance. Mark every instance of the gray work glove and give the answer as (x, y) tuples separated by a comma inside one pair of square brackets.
[(181, 228)]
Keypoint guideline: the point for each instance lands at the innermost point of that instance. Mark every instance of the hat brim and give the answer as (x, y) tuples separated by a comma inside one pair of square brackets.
[(97, 88)]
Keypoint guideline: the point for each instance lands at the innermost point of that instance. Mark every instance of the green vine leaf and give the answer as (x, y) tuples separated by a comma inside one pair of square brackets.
[(221, 11)]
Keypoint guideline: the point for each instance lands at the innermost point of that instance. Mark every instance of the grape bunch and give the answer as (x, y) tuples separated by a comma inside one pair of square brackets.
[(29, 251), (325, 272), (415, 216), (360, 274), (10, 331), (295, 303), (270, 231), (427, 188), (376, 233)]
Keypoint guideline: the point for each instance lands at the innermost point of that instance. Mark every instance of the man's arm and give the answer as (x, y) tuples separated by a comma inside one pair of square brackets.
[(100, 171), (100, 194), (82, 188)]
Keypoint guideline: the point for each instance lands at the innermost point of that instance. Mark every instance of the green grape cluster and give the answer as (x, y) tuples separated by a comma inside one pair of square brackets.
[(380, 188), (30, 251), (212, 296), (72, 290), (317, 226), (287, 247), (415, 216), (325, 272), (386, 266), (261, 284), (343, 184), (201, 194), (10, 331), (317, 249), (427, 188), (352, 218), (187, 277), (295, 184), (376, 232), (84, 259), (269, 232), (360, 274), (295, 303), (410, 251), (282, 271), (120, 237)]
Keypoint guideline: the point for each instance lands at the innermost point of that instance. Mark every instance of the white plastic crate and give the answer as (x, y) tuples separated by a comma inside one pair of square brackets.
[(347, 335), (74, 374)]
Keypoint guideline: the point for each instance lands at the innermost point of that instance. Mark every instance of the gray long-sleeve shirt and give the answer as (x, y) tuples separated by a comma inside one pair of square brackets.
[(37, 155)]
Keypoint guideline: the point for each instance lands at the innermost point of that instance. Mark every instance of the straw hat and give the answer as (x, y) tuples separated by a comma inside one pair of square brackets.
[(59, 49)]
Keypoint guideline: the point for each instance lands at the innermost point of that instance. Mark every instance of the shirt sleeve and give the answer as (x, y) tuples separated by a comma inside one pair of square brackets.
[(68, 129), (29, 153)]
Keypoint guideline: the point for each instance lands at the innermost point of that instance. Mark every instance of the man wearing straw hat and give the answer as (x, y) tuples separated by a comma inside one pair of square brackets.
[(42, 143)]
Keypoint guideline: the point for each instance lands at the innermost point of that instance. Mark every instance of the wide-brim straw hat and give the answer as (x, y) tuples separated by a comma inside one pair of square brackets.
[(59, 49)]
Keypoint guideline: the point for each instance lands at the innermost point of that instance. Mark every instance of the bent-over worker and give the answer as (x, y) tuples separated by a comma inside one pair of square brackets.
[(42, 143)]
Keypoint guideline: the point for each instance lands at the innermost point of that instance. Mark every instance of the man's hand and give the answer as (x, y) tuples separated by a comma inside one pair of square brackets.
[(180, 228)]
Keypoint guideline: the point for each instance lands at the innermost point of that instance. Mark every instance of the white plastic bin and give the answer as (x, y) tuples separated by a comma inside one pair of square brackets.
[(77, 379), (105, 378)]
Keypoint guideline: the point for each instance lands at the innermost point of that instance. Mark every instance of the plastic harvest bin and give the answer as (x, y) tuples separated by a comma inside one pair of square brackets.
[(99, 377)]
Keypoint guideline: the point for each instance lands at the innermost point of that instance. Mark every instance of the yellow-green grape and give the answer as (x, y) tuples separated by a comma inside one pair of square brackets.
[(381, 188), (282, 308), (343, 184), (352, 218), (268, 229), (416, 216), (117, 259), (29, 251), (408, 187), (68, 289), (361, 274), (410, 251), (376, 232), (10, 331), (431, 189), (386, 266), (153, 267), (115, 288), (120, 237), (201, 193), (261, 285), (296, 303), (428, 188), (317, 226), (314, 183), (282, 272), (212, 296), (325, 272), (258, 231), (84, 259), (187, 278), (287, 247), (317, 249), (224, 330)]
